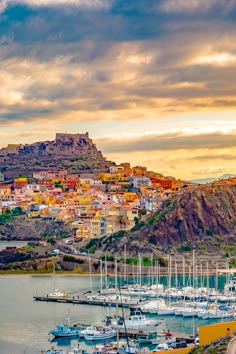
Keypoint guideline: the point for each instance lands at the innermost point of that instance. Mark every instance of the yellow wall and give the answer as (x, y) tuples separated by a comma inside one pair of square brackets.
[(21, 180), (175, 351), (209, 333)]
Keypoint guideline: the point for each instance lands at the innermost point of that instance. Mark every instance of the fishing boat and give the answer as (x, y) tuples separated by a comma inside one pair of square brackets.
[(88, 330), (104, 334), (53, 351), (163, 337), (62, 330), (65, 329), (105, 349), (135, 321), (147, 338)]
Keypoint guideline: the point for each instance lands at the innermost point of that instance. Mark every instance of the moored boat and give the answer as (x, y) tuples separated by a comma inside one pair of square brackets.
[(134, 321), (104, 334), (58, 295), (62, 330)]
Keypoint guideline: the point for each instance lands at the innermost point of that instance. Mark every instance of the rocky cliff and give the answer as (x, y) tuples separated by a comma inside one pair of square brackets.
[(203, 217), (74, 152), (24, 228)]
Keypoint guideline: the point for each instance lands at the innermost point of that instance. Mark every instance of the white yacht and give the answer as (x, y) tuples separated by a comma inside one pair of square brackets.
[(103, 334), (134, 321)]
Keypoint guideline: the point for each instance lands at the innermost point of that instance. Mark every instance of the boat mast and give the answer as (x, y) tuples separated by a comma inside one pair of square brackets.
[(116, 287), (194, 269), (125, 276), (90, 275), (170, 266), (183, 272), (140, 269), (101, 264), (106, 285), (176, 276), (157, 293)]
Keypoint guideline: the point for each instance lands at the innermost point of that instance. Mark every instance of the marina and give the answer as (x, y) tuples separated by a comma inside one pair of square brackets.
[(29, 333)]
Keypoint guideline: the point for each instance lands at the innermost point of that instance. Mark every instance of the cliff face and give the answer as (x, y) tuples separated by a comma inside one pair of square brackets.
[(74, 152), (195, 214), (203, 217), (23, 228)]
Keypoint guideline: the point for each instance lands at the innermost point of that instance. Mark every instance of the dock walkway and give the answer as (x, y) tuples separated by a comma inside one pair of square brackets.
[(84, 301)]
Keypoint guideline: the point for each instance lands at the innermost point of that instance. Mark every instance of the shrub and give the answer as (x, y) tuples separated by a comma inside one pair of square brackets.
[(209, 233)]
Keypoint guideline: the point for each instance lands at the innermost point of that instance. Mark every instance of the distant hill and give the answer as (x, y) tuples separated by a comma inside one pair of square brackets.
[(211, 179), (74, 152), (203, 217)]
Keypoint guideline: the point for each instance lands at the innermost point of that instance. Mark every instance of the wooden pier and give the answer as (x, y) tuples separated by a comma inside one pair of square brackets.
[(135, 333)]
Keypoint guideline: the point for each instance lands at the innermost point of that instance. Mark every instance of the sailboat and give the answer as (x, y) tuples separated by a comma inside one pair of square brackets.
[(56, 294)]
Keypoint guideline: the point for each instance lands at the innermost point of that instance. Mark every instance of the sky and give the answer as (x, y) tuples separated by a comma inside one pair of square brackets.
[(152, 81)]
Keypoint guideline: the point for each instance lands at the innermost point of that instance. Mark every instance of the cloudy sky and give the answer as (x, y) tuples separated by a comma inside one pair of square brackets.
[(152, 81)]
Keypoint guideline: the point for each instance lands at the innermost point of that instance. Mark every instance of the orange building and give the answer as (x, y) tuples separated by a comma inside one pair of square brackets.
[(139, 171)]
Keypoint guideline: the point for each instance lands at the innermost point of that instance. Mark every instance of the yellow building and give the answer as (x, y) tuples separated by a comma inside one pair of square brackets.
[(83, 230), (37, 198), (106, 177), (175, 351), (5, 190), (21, 180), (208, 334), (130, 196), (139, 171), (59, 180)]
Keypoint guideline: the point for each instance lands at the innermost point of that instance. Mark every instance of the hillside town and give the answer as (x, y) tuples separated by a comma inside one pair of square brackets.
[(93, 204)]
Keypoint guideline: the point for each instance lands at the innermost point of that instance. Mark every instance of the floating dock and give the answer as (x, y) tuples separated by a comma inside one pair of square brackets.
[(134, 334), (84, 301)]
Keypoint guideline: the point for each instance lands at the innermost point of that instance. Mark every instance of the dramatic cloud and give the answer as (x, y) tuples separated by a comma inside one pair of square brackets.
[(93, 4), (121, 66), (170, 141), (196, 5), (3, 5)]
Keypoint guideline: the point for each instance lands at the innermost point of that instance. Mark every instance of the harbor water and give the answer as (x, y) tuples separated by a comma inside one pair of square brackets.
[(25, 323)]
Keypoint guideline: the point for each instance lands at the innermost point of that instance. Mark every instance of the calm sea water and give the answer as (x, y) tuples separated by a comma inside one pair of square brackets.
[(24, 323), (18, 244)]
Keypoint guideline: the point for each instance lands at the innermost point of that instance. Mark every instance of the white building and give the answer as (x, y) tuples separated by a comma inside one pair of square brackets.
[(139, 181)]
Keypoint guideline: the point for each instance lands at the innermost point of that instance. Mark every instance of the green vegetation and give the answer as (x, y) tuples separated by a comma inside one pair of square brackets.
[(10, 215), (17, 211), (93, 242), (204, 247), (93, 249), (209, 233), (51, 240), (148, 262), (5, 218), (232, 263), (29, 248), (217, 347), (185, 248), (230, 250), (72, 259), (167, 207), (107, 258), (138, 226), (220, 238)]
